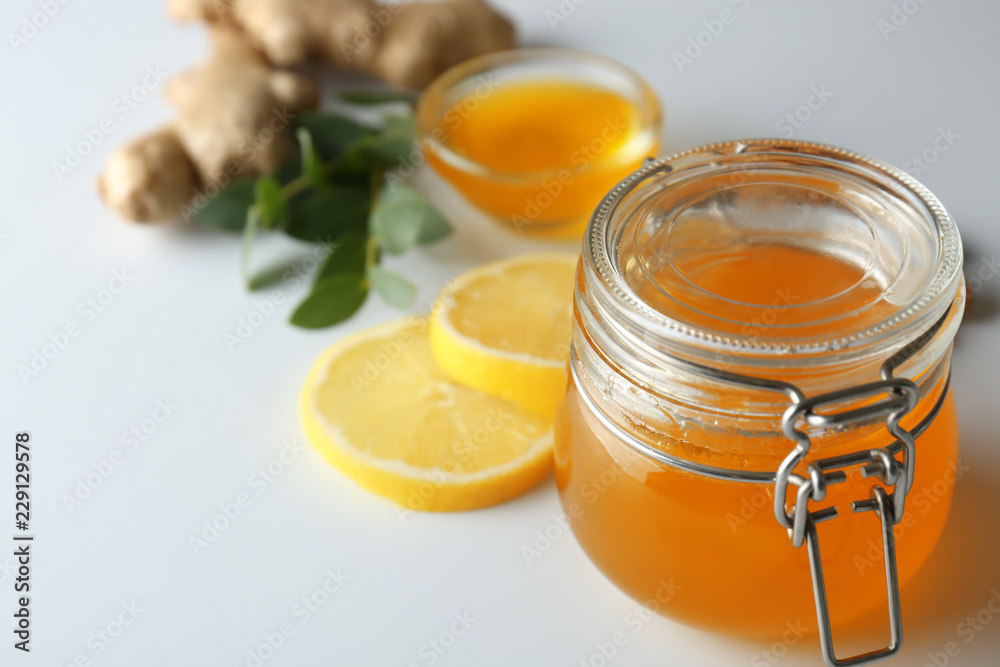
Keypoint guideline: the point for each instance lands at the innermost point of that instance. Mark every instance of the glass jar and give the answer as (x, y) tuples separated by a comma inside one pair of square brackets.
[(759, 380)]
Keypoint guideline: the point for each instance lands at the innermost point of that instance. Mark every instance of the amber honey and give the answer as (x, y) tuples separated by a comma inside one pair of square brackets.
[(533, 143), (703, 273), (631, 527)]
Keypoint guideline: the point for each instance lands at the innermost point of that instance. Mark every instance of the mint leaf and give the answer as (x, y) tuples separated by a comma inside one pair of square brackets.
[(396, 227), (348, 256), (394, 288), (404, 127), (270, 201), (228, 208), (434, 226), (402, 218), (249, 235), (332, 300), (386, 151), (312, 166), (330, 211), (277, 271), (332, 133), (372, 96)]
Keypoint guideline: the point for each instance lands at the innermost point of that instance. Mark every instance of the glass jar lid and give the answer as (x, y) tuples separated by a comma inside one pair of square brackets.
[(776, 251)]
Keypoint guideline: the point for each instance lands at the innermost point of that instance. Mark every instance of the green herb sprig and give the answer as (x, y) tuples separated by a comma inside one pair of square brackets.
[(337, 194)]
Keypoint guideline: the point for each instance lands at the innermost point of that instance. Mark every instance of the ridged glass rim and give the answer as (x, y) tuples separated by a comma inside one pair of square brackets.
[(912, 320)]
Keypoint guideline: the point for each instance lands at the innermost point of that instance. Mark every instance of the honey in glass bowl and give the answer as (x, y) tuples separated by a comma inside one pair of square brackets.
[(758, 412), (534, 137)]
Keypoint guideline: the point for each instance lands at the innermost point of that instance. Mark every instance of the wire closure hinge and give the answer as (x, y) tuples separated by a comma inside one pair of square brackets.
[(899, 396)]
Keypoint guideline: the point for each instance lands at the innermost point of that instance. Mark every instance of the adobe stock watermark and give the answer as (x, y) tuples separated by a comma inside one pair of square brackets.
[(34, 23), (898, 17), (435, 648), (463, 449), (391, 350), (121, 108), (102, 639), (702, 41), (361, 39), (967, 630), (300, 613), (633, 623), (918, 504), (784, 299), (794, 120), (258, 482), (132, 439), (280, 120), (590, 491), (987, 270), (265, 307), (562, 12), (40, 358), (486, 85), (247, 325), (762, 499), (919, 163), (794, 632), (581, 158)]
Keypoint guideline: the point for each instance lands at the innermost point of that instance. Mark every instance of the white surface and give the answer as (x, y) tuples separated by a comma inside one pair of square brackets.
[(162, 338)]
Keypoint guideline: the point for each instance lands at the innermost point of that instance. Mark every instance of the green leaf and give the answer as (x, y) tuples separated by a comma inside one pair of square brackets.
[(332, 133), (396, 227), (434, 226), (394, 288), (331, 211), (312, 166), (332, 300), (270, 275), (228, 209), (249, 234), (402, 218), (372, 96), (287, 173), (270, 202), (386, 150), (347, 256), (404, 127)]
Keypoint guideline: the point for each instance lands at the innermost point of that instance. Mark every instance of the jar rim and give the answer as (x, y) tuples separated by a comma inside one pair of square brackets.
[(619, 298)]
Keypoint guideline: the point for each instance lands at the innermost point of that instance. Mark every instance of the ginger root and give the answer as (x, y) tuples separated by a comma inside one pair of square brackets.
[(149, 178), (233, 119), (406, 44), (234, 110)]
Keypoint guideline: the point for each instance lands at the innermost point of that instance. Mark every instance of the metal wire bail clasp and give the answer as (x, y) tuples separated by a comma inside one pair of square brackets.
[(900, 397)]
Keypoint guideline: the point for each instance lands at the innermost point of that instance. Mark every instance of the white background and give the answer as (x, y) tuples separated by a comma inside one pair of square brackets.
[(162, 338)]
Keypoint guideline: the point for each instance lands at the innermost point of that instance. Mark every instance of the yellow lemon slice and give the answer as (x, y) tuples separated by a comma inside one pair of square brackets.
[(378, 407), (504, 328)]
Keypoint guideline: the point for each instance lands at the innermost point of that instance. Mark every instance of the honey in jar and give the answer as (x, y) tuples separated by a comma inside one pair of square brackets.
[(758, 411)]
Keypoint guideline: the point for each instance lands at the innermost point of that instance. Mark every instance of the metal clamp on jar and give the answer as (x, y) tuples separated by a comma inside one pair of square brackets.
[(762, 340)]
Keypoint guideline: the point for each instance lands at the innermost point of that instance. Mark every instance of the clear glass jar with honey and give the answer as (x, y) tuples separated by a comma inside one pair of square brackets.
[(758, 409)]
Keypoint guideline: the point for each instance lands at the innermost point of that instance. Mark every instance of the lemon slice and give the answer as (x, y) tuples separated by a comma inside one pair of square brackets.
[(378, 407), (504, 328)]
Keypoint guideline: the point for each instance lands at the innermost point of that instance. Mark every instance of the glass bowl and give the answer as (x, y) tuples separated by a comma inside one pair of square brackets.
[(557, 200)]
